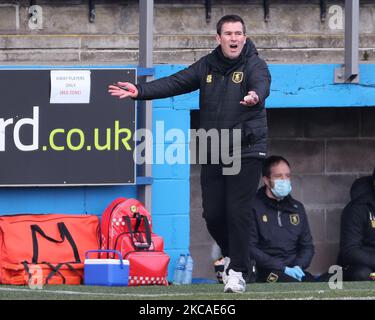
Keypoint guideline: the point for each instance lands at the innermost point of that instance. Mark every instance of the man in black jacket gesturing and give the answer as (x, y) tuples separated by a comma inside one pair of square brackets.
[(357, 242), (280, 240), (234, 84)]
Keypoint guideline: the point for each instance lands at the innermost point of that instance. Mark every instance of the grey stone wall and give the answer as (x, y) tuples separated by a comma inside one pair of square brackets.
[(328, 149), (294, 33)]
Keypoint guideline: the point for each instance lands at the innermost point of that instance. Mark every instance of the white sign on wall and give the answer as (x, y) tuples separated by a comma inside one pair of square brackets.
[(70, 86)]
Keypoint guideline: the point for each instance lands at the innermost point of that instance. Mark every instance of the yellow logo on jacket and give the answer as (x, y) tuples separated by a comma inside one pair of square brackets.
[(372, 219), (294, 219), (237, 77), (272, 278), (265, 218), (209, 78)]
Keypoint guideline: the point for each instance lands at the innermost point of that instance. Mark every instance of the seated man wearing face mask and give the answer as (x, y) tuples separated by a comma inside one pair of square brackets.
[(280, 240)]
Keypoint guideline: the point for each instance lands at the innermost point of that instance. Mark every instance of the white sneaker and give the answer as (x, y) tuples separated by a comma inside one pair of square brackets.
[(226, 265), (221, 266), (235, 282)]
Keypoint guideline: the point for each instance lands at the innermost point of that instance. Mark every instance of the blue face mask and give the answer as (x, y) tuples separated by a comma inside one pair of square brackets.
[(282, 188)]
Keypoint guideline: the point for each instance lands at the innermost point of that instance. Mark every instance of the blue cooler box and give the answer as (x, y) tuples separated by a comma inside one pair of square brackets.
[(106, 272)]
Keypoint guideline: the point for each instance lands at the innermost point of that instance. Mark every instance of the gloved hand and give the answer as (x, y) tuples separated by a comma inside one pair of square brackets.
[(301, 274), (295, 272)]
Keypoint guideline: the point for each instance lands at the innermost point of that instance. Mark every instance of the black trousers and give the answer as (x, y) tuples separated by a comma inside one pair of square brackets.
[(226, 208), (356, 273)]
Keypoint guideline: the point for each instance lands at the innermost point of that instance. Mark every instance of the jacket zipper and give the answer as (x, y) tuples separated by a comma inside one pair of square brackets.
[(279, 218), (50, 219), (221, 101)]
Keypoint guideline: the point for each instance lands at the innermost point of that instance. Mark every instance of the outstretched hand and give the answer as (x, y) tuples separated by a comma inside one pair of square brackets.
[(250, 100), (128, 90)]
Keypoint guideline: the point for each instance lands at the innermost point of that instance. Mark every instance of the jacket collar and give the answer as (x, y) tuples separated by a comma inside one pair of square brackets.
[(223, 65)]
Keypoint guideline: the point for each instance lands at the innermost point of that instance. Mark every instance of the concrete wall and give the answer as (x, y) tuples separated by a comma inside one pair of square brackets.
[(171, 186), (328, 149), (294, 32)]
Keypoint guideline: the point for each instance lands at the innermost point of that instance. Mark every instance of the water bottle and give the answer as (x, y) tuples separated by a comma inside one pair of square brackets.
[(179, 270), (188, 274)]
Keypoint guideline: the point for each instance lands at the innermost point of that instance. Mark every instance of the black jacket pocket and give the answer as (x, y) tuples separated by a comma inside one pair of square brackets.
[(253, 132)]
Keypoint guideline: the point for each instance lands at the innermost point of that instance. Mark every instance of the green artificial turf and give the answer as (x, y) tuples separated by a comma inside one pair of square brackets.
[(305, 291)]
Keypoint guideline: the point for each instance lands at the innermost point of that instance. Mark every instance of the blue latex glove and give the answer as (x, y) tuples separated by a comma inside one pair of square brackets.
[(300, 272), (295, 272)]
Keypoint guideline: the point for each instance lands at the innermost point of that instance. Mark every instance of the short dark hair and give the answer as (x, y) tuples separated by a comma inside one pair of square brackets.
[(270, 162), (229, 18)]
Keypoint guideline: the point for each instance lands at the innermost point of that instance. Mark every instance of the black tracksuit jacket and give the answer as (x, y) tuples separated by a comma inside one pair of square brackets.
[(357, 242), (280, 234), (221, 90)]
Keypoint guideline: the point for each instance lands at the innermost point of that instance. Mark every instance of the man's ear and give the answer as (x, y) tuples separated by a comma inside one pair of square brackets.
[(218, 38), (266, 182)]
